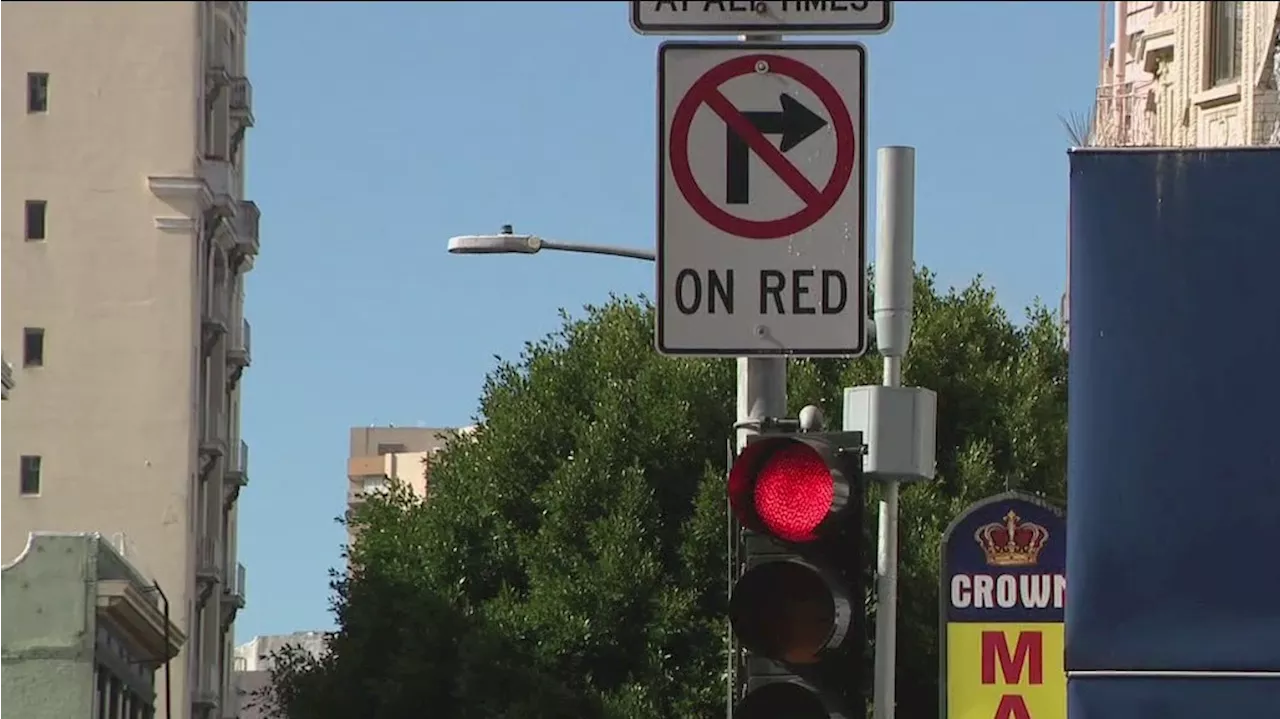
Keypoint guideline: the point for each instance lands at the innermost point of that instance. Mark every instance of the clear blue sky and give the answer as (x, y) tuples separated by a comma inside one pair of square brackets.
[(385, 128)]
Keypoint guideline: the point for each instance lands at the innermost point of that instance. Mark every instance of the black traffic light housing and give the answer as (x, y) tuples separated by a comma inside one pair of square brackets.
[(798, 607)]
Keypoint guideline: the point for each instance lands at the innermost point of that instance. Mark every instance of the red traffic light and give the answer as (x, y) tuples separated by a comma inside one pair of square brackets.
[(788, 487)]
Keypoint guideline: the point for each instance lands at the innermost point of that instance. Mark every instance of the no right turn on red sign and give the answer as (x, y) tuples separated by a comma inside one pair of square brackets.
[(761, 245)]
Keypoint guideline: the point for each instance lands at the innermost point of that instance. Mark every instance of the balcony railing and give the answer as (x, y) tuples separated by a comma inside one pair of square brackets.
[(232, 595), (233, 588), (1126, 119), (7, 370), (213, 440), (220, 175), (208, 560), (239, 353), (248, 218), (238, 464), (241, 104)]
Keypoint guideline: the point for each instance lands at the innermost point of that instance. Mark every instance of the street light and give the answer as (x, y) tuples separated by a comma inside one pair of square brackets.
[(508, 242)]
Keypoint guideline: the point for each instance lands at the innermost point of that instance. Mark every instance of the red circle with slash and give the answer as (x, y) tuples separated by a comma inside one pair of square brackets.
[(818, 202)]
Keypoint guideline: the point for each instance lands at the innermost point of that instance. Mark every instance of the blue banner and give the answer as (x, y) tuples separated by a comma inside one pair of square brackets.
[(1174, 460)]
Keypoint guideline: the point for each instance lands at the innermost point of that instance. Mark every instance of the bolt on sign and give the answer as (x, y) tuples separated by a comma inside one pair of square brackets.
[(1003, 595)]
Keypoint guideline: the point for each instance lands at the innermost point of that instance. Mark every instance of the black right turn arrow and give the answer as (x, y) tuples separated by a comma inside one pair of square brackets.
[(795, 122)]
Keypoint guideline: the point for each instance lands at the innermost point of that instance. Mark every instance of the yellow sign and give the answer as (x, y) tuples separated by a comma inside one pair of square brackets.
[(1004, 593), (1005, 671)]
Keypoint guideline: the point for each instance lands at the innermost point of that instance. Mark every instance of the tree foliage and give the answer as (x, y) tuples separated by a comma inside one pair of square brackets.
[(569, 560)]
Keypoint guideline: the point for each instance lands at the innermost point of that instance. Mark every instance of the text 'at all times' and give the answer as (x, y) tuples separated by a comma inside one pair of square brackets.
[(798, 292), (749, 6)]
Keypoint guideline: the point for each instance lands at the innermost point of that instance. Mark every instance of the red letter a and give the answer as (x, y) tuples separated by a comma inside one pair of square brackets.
[(1012, 707)]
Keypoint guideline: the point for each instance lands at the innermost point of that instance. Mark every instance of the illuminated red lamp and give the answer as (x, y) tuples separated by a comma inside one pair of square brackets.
[(788, 487)]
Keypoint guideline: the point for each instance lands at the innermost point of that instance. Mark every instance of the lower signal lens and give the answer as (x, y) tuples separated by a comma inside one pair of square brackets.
[(793, 493), (784, 611), (781, 700)]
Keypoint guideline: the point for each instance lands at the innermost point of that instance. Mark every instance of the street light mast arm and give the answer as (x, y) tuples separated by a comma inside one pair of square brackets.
[(599, 250)]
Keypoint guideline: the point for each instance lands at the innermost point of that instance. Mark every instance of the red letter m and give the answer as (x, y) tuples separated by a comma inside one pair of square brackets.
[(1030, 645)]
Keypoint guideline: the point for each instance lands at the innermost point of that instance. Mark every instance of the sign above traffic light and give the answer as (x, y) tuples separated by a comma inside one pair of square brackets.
[(799, 499)]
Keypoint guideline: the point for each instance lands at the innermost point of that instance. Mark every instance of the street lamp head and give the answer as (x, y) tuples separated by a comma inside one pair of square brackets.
[(504, 243)]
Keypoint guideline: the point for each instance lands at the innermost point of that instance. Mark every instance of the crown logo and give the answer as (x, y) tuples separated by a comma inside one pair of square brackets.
[(1012, 542)]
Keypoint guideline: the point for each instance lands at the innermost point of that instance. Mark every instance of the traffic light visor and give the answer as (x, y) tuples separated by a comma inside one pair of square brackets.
[(785, 487), (788, 611), (782, 700)]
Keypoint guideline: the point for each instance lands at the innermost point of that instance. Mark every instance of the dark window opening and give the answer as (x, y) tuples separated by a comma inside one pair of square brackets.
[(33, 347), (30, 475), (37, 92), (1226, 37), (37, 211)]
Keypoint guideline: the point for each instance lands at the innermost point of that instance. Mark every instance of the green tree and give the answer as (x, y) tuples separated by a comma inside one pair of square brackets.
[(570, 558)]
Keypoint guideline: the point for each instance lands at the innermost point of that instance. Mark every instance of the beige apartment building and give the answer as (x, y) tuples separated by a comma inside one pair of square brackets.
[(1189, 74), (126, 238), (381, 455)]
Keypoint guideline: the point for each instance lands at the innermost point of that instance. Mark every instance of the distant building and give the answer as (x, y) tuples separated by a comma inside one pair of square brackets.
[(380, 455), (85, 632), (255, 654), (253, 665)]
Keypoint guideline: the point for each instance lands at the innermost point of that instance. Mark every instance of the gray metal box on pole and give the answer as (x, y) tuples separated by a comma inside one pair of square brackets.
[(899, 426)]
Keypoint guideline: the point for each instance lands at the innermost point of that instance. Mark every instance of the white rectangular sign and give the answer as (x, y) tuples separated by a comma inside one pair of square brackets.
[(747, 16), (761, 218)]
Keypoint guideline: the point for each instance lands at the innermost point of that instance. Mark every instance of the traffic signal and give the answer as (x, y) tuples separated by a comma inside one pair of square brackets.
[(797, 607)]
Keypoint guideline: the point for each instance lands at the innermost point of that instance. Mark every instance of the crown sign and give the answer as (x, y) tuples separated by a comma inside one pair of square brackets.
[(1011, 543)]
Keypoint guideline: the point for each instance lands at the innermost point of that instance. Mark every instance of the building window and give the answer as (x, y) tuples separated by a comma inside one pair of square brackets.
[(30, 479), (35, 219), (33, 347), (391, 449), (1226, 34), (37, 92)]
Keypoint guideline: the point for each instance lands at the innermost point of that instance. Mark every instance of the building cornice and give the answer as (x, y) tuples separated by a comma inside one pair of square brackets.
[(134, 617)]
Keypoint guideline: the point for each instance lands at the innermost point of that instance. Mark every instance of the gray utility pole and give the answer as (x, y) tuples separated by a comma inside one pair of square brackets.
[(762, 394), (899, 423)]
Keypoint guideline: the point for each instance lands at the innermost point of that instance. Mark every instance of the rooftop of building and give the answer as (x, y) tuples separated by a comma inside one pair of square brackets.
[(371, 441)]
